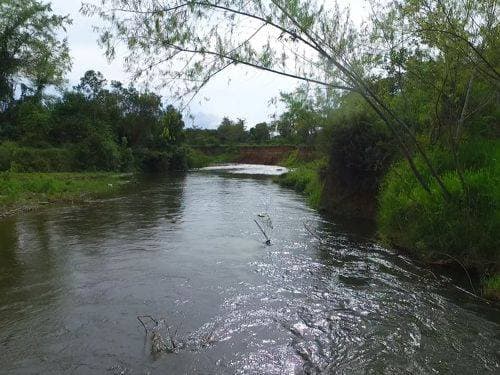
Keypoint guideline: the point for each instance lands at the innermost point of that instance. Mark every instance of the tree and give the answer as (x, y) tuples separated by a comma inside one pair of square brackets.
[(260, 132), (285, 126), (301, 119), (31, 54), (173, 125), (232, 132), (312, 41), (141, 116), (441, 70), (91, 84)]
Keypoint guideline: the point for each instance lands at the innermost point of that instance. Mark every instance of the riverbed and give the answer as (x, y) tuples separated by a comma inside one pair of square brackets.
[(185, 250)]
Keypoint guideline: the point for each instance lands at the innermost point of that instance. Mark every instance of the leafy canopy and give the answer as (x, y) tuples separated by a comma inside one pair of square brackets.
[(31, 53)]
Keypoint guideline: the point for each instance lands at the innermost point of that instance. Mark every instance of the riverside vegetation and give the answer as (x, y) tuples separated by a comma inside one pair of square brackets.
[(402, 115)]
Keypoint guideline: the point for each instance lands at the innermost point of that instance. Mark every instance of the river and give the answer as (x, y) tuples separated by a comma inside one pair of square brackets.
[(185, 250)]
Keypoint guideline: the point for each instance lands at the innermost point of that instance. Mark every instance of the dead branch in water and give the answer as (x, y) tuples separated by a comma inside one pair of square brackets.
[(140, 319), (268, 240), (170, 343)]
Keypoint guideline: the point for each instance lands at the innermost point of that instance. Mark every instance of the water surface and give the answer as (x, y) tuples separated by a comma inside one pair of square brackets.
[(185, 250)]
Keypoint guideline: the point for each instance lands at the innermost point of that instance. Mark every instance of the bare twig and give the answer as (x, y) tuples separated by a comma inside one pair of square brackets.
[(140, 319), (268, 240)]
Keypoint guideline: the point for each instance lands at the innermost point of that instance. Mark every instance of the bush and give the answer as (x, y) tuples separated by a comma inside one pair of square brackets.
[(197, 159), (22, 188), (360, 152), (173, 158), (465, 227), (98, 152)]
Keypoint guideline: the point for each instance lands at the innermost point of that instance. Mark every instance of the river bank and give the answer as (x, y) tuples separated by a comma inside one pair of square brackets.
[(26, 191), (316, 182)]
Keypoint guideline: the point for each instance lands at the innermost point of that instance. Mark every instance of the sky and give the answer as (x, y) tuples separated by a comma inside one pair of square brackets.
[(236, 93)]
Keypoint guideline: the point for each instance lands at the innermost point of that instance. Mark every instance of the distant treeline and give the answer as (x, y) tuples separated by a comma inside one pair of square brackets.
[(92, 127)]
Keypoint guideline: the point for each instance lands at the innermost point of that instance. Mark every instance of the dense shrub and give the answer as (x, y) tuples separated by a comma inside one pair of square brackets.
[(360, 152), (172, 158), (97, 152), (466, 226)]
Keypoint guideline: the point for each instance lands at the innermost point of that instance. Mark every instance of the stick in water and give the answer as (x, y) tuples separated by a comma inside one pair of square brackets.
[(268, 240)]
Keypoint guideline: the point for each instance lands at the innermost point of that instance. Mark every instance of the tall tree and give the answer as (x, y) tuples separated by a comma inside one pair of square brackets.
[(31, 52)]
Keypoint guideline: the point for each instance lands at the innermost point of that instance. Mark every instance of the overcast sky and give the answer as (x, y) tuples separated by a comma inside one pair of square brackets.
[(237, 92)]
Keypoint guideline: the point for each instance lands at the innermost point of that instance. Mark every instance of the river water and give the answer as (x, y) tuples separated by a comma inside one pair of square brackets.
[(323, 298)]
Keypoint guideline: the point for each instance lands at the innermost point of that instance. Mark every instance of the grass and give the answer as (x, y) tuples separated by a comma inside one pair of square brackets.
[(465, 226), (304, 177), (491, 287), (27, 189)]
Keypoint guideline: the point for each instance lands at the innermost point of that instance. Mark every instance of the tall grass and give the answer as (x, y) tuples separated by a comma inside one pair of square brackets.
[(466, 226), (491, 287)]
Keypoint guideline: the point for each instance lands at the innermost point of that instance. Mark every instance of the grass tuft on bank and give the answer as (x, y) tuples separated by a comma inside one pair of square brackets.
[(20, 189), (491, 287)]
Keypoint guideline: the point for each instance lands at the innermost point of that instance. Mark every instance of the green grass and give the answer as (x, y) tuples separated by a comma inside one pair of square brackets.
[(305, 178), (465, 227), (491, 287), (18, 189)]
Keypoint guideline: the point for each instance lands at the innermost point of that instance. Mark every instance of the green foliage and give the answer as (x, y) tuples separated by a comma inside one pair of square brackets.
[(305, 178), (33, 123), (205, 156), (466, 226), (232, 131), (260, 133), (171, 159), (360, 151), (197, 159), (97, 152), (92, 129), (31, 54), (201, 137), (229, 132), (91, 84), (491, 287), (172, 126), (301, 121), (28, 159)]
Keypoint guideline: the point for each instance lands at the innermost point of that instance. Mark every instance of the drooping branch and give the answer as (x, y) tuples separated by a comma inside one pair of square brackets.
[(291, 26)]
